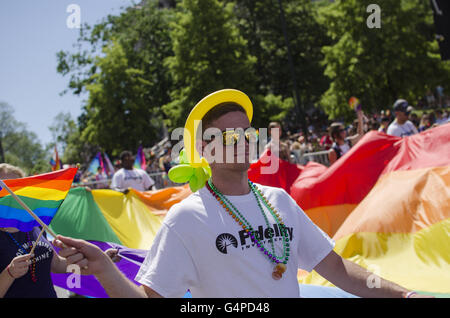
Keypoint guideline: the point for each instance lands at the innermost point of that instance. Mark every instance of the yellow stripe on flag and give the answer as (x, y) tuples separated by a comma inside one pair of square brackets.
[(42, 193), (418, 261), (129, 217)]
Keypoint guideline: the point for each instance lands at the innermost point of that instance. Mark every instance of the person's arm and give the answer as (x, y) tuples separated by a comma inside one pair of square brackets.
[(332, 156), (93, 261), (16, 269), (148, 181), (354, 279), (360, 130)]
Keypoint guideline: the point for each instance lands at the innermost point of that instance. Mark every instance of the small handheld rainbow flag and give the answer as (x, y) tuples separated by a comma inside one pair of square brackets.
[(355, 104), (109, 168), (43, 194), (55, 162), (139, 162), (95, 163)]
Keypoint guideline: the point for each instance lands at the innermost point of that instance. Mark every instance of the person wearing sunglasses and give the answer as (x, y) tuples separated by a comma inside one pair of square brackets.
[(231, 145), (341, 142), (232, 237)]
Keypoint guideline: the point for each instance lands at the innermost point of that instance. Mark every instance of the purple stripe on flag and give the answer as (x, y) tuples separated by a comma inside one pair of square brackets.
[(88, 285)]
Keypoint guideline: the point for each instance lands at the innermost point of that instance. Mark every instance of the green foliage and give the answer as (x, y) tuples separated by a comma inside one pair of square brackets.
[(67, 138), (269, 108), (379, 65), (260, 24), (150, 65), (209, 54), (124, 77), (118, 114), (20, 146)]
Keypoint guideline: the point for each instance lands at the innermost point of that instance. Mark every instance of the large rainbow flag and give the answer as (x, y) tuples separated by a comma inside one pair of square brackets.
[(386, 203), (43, 194), (108, 219)]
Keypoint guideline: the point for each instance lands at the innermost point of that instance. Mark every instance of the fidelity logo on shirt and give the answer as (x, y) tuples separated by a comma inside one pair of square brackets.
[(226, 240)]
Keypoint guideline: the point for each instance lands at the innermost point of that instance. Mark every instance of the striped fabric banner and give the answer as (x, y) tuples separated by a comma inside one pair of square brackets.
[(43, 194), (386, 203)]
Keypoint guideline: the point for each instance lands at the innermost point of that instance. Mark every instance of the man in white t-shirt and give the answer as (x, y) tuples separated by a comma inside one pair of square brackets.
[(401, 126), (130, 177), (248, 243)]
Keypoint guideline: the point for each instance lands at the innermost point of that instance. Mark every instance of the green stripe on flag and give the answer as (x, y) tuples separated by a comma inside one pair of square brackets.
[(30, 202), (80, 217)]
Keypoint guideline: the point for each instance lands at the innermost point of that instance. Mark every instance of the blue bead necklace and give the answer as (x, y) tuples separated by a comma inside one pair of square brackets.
[(33, 264)]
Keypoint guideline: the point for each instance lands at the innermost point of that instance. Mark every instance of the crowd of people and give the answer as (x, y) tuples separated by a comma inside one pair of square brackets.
[(311, 247), (127, 175), (336, 138), (323, 136)]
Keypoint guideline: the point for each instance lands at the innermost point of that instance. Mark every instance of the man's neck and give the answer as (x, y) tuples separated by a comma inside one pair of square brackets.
[(231, 182), (401, 121)]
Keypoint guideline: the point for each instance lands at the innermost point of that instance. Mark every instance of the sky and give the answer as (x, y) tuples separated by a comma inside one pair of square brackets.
[(31, 33)]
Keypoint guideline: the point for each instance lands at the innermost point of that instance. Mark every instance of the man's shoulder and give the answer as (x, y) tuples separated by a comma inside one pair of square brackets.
[(185, 209), (393, 124), (118, 172), (392, 128), (141, 171)]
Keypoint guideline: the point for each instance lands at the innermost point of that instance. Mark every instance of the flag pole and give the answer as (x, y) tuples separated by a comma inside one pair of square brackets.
[(37, 240), (3, 185)]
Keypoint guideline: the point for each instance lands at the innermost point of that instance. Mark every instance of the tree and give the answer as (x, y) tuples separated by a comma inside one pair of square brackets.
[(20, 146), (209, 54), (379, 65), (62, 128), (261, 25), (66, 136), (123, 74), (118, 114)]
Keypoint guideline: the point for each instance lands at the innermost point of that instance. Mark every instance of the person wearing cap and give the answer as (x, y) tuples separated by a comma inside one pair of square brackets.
[(130, 177), (401, 126), (231, 237)]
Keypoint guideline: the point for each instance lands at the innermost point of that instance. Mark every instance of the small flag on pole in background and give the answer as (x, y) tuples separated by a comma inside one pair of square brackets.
[(139, 162), (55, 162)]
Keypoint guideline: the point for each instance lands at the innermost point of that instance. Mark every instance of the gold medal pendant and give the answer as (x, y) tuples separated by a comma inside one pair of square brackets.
[(278, 271)]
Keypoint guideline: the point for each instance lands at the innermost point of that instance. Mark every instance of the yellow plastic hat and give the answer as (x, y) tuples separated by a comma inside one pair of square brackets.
[(192, 168)]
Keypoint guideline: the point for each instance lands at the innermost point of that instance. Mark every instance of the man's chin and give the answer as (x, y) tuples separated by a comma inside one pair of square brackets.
[(244, 166)]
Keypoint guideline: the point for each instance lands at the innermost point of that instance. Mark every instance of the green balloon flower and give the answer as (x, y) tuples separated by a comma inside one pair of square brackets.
[(185, 172)]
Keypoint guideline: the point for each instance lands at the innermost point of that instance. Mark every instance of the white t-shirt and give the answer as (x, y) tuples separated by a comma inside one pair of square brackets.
[(407, 129), (208, 252), (137, 179), (344, 148)]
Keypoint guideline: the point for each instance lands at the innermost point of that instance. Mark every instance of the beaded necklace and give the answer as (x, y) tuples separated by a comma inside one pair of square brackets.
[(280, 261), (33, 264)]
